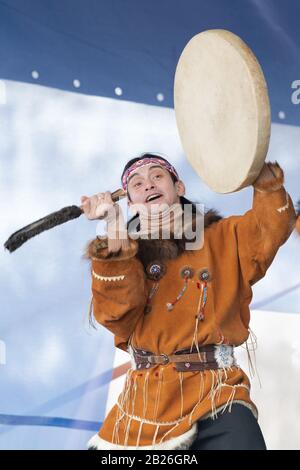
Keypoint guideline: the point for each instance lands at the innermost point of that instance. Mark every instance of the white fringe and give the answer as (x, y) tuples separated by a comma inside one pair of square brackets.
[(210, 414), (182, 442)]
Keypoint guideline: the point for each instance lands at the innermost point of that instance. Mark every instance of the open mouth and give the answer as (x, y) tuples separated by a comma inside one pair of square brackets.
[(153, 197)]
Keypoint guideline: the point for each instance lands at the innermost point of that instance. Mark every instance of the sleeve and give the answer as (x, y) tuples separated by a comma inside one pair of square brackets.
[(262, 230), (118, 287)]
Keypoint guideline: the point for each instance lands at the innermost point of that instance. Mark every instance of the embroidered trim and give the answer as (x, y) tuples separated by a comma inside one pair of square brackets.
[(284, 208), (108, 278), (147, 421)]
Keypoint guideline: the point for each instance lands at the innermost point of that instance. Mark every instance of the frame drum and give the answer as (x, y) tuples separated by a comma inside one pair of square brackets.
[(222, 110)]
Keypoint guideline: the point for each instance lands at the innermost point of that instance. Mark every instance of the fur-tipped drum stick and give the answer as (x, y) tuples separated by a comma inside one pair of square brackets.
[(49, 221)]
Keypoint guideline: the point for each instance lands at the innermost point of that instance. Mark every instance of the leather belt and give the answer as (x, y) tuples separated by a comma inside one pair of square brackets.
[(184, 359)]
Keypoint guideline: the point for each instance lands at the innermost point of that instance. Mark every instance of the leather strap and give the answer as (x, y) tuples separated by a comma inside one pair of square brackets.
[(183, 359), (164, 359)]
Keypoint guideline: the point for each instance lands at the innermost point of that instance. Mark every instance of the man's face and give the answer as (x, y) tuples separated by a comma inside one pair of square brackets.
[(152, 185)]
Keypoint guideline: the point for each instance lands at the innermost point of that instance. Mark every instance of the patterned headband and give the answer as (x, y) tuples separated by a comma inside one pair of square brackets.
[(146, 161)]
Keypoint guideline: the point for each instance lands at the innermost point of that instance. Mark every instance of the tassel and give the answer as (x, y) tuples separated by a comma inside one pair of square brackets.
[(119, 417), (201, 395), (170, 305), (199, 314), (155, 435), (153, 291), (139, 433), (230, 400), (202, 299), (91, 318), (159, 385), (212, 395), (252, 366), (132, 401), (186, 272), (181, 393)]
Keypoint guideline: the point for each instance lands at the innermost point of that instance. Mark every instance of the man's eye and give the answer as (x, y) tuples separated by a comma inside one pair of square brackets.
[(136, 184), (157, 176)]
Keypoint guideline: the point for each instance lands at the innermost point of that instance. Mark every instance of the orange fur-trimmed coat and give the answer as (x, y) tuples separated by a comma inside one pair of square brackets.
[(159, 407)]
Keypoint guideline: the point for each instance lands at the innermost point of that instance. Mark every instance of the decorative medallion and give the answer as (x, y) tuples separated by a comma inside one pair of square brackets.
[(186, 272), (155, 270), (204, 275)]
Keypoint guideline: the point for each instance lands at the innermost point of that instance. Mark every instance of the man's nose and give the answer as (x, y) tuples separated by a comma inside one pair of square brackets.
[(149, 185)]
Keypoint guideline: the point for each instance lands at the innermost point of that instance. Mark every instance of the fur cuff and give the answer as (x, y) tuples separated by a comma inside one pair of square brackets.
[(182, 442), (98, 249), (267, 183), (298, 215)]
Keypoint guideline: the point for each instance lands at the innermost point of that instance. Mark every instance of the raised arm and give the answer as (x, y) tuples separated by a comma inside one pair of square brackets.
[(263, 229)]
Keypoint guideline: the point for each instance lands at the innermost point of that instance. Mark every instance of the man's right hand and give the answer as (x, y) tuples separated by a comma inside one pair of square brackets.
[(99, 206)]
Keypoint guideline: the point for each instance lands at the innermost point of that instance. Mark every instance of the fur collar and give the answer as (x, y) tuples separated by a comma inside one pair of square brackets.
[(150, 250)]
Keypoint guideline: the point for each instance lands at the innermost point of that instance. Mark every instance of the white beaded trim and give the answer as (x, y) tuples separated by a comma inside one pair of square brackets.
[(108, 278), (284, 208), (148, 421)]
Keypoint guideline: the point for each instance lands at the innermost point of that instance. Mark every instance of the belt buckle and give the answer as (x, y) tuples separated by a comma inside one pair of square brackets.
[(163, 356)]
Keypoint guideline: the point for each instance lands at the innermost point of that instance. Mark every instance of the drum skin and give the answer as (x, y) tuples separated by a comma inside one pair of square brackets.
[(222, 110)]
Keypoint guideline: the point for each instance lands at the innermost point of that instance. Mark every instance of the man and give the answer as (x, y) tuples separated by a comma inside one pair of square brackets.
[(180, 312)]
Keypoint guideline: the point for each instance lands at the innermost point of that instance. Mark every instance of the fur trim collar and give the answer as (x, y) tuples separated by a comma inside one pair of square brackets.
[(148, 250), (163, 250)]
